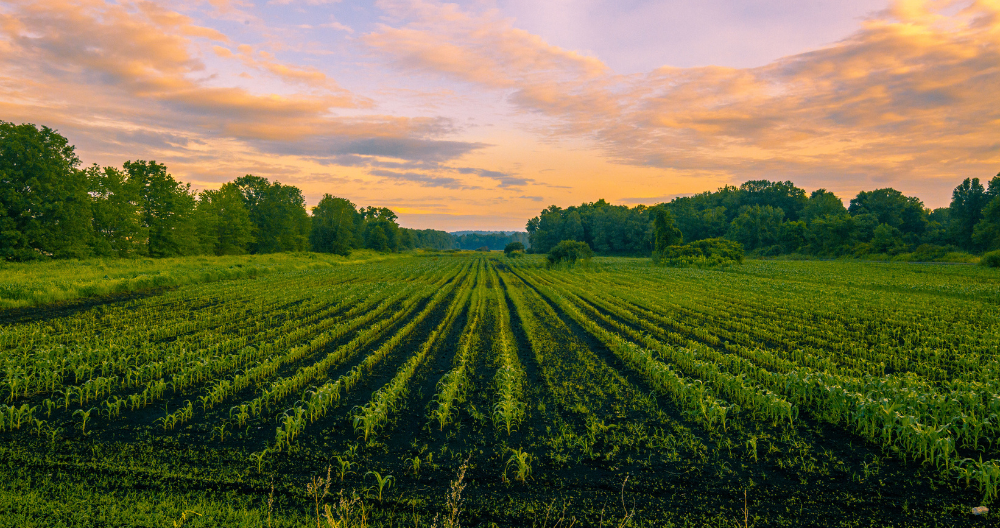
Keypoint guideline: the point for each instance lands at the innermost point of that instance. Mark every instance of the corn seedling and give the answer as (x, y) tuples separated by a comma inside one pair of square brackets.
[(382, 482)]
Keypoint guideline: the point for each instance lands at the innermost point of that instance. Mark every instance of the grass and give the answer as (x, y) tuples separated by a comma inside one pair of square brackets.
[(39, 283)]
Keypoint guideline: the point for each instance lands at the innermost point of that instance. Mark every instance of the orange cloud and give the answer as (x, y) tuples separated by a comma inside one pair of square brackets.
[(910, 94)]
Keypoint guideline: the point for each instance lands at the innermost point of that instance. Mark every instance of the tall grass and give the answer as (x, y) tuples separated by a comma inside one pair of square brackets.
[(39, 283)]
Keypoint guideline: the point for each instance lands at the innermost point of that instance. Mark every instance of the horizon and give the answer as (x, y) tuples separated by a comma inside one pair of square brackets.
[(475, 117)]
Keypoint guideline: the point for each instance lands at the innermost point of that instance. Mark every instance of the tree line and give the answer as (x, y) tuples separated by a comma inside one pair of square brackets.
[(50, 207), (773, 218)]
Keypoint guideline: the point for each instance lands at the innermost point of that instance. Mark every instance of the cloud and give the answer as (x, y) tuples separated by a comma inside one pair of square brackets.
[(422, 179), (135, 76), (505, 180), (909, 94)]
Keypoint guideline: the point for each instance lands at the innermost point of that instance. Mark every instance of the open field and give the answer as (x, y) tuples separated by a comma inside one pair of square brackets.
[(616, 394)]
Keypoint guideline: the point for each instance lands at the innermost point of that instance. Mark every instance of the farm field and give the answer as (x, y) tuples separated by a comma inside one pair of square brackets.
[(773, 393)]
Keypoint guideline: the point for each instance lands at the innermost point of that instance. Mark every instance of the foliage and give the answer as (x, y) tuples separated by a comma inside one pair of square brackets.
[(278, 213), (514, 250), (222, 222), (117, 230), (710, 252), (334, 223), (665, 232), (991, 259), (689, 378), (569, 252), (986, 233), (166, 209), (606, 228), (493, 241), (429, 238), (44, 207)]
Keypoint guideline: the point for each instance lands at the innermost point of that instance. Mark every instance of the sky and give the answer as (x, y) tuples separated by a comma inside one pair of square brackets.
[(477, 115)]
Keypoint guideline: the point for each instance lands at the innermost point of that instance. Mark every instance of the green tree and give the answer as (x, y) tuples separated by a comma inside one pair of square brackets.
[(278, 213), (887, 239), (822, 203), (778, 195), (666, 233), (831, 234), (377, 237), (166, 209), (115, 215), (44, 207), (381, 232), (938, 227), (967, 202), (891, 207), (986, 233), (544, 229), (757, 227), (222, 222), (513, 249), (334, 223)]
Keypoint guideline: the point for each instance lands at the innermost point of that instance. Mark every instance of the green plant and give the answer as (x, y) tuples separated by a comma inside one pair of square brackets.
[(343, 467), (990, 259), (382, 482), (569, 252), (522, 465), (84, 417)]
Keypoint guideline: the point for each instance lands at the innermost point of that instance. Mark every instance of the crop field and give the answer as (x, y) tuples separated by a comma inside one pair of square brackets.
[(473, 389)]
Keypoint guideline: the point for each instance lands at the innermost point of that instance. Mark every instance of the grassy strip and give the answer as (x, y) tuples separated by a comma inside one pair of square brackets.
[(39, 283)]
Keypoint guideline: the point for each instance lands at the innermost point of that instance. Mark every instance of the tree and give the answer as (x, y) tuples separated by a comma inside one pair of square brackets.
[(166, 209), (967, 202), (666, 234), (778, 195), (831, 234), (278, 213), (115, 214), (44, 207), (757, 227), (381, 232), (376, 237), (822, 203), (333, 226), (938, 227), (891, 207), (544, 229), (514, 249), (986, 233), (887, 239), (222, 222)]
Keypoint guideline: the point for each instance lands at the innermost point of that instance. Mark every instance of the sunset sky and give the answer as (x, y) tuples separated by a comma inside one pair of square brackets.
[(479, 114)]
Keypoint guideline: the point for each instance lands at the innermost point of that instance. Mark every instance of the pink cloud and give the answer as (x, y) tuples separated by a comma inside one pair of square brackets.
[(910, 94)]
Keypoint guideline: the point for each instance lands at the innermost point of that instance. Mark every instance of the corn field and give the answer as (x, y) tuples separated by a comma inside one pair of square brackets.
[(832, 391)]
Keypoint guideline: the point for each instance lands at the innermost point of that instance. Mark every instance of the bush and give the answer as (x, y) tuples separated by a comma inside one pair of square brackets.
[(483, 248), (569, 251), (707, 253), (514, 249), (991, 259)]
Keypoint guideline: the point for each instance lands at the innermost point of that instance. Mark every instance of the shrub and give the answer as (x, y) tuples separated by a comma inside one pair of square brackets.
[(707, 253), (569, 251), (991, 259), (514, 249), (483, 248)]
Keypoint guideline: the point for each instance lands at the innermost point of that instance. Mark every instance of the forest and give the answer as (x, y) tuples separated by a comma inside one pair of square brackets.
[(775, 218)]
